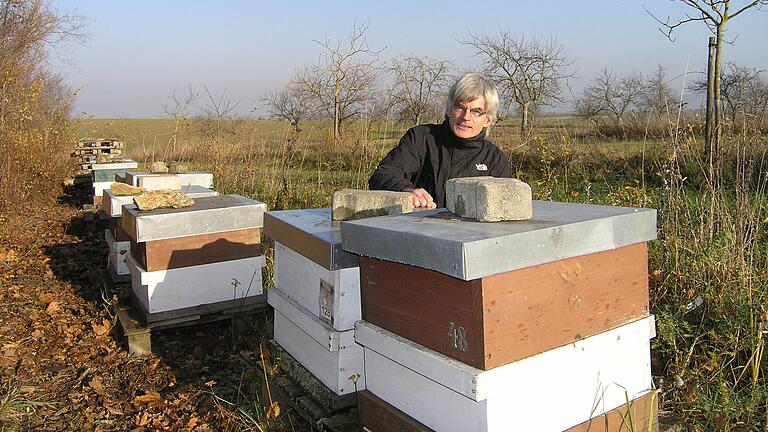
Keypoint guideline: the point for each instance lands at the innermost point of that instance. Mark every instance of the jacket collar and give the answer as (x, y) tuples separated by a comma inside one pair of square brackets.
[(452, 140)]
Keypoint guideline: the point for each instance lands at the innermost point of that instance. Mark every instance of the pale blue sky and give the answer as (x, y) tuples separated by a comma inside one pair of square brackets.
[(138, 52)]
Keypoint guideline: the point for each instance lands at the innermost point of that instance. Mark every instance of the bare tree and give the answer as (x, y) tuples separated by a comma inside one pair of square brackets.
[(715, 14), (419, 86), (744, 91), (178, 108), (289, 103), (529, 71), (218, 108), (609, 94), (29, 30), (590, 106), (658, 99), (344, 79)]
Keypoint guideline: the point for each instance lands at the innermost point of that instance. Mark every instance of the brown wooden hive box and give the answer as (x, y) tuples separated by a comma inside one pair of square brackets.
[(197, 249), (117, 230), (639, 415), (505, 317)]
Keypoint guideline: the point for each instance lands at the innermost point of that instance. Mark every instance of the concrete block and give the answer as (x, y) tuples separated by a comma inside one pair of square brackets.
[(489, 199), (351, 204), (158, 182)]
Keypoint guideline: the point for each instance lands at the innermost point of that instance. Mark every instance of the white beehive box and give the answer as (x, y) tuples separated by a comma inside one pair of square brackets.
[(331, 356), (180, 288), (118, 253), (551, 391), (333, 296)]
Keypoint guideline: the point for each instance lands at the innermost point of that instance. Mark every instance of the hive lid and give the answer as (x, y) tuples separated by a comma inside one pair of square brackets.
[(206, 215), (467, 249), (312, 233)]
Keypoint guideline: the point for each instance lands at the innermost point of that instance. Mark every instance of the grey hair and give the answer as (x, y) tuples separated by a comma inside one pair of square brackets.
[(470, 87)]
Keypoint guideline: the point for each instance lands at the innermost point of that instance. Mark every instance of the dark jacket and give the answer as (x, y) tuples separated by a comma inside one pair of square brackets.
[(429, 155)]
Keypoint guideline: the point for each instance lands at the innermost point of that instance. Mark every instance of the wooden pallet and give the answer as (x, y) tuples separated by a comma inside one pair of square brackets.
[(296, 388), (137, 324)]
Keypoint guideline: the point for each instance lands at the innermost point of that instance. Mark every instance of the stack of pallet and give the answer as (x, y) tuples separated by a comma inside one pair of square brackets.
[(537, 325), (316, 298), (202, 259), (117, 239), (104, 174), (88, 150)]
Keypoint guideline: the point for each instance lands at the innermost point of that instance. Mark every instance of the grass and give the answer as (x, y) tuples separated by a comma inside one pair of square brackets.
[(15, 407), (708, 268)]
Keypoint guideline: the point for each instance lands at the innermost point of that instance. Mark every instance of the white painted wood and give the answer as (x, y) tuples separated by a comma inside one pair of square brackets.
[(151, 181), (166, 290), (118, 252), (337, 301), (126, 164), (341, 370), (551, 391), (318, 330), (158, 182), (99, 187)]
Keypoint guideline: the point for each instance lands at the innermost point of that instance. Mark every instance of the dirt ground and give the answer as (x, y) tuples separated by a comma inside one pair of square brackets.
[(64, 364)]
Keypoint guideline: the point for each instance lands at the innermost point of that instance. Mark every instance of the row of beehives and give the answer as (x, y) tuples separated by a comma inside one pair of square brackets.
[(449, 324), (208, 255)]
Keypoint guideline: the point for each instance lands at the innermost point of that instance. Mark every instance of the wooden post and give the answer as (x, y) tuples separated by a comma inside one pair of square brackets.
[(710, 95)]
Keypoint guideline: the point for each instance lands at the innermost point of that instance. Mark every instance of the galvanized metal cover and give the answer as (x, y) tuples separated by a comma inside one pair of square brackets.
[(468, 249), (206, 215), (123, 165), (113, 203), (312, 233)]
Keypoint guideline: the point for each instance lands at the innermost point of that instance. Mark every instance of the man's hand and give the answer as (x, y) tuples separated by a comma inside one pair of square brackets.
[(421, 199)]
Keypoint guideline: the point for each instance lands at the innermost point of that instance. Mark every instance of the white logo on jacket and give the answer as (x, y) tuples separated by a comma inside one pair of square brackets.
[(481, 167)]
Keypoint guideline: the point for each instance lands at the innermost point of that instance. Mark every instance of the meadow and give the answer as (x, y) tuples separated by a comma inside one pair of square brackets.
[(708, 267)]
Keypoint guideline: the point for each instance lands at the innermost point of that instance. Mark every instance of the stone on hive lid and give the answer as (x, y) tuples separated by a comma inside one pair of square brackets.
[(489, 199), (162, 199), (178, 168), (122, 189), (158, 167), (351, 204)]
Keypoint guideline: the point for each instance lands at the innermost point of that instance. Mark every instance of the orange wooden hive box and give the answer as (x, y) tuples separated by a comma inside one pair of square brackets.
[(488, 294)]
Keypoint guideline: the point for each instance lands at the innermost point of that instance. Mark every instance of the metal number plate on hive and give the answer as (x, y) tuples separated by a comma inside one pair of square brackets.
[(326, 301)]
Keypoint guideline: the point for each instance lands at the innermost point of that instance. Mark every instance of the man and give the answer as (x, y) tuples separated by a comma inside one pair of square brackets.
[(429, 155)]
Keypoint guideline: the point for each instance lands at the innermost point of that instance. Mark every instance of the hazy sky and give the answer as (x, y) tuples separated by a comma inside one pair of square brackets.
[(138, 52)]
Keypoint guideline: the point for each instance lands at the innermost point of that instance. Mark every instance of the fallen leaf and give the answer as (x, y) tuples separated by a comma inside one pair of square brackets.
[(151, 398), (274, 411), (52, 307), (102, 329), (46, 298), (97, 386), (8, 255), (192, 422), (113, 410)]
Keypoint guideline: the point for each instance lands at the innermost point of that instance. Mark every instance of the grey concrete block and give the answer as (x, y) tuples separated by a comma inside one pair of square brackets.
[(351, 204), (158, 182), (489, 199)]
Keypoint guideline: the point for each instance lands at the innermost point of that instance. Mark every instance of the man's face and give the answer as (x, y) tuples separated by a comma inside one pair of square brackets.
[(467, 119)]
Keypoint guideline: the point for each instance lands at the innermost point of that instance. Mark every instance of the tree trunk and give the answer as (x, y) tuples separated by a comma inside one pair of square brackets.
[(524, 120)]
